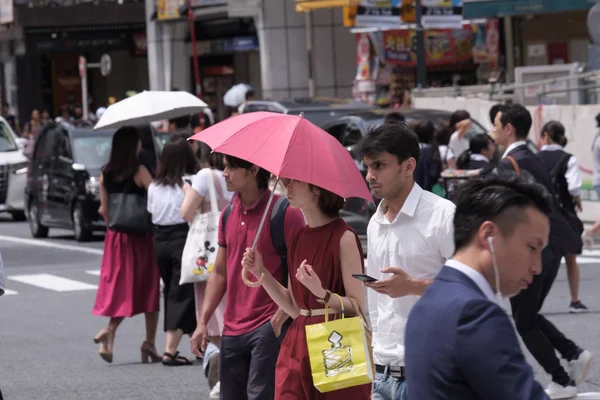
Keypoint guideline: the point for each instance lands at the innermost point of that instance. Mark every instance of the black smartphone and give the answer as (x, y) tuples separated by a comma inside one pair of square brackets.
[(364, 278)]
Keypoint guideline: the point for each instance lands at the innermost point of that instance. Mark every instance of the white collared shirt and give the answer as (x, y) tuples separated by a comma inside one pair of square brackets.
[(419, 240), (514, 146), (479, 157), (572, 174), (475, 276)]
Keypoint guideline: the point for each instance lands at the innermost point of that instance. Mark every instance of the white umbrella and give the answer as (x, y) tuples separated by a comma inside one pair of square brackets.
[(149, 106), (236, 95)]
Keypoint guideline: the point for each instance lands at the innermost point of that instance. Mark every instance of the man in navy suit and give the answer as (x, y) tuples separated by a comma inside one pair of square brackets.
[(460, 343)]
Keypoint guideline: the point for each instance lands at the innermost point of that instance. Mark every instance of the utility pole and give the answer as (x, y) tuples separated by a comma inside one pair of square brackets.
[(421, 69)]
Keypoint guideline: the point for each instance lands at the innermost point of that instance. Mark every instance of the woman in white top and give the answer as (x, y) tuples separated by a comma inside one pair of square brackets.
[(565, 169), (197, 200), (165, 197)]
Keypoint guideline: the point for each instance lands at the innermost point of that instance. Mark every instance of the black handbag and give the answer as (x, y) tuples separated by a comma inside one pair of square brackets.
[(127, 212)]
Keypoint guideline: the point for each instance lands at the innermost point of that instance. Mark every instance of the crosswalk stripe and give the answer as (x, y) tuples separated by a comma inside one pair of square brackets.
[(9, 292), (95, 272), (53, 282)]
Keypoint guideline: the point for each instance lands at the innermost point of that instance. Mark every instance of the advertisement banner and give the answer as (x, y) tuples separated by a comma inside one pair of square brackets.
[(442, 14), (442, 46), (486, 40), (379, 13), (168, 9)]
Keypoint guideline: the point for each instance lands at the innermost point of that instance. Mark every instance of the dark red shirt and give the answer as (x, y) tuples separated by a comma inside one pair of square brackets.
[(247, 308)]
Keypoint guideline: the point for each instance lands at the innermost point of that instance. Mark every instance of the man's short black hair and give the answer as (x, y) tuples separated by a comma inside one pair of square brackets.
[(394, 116), (182, 122), (519, 117), (496, 108), (250, 94), (396, 138), (502, 199), (263, 176)]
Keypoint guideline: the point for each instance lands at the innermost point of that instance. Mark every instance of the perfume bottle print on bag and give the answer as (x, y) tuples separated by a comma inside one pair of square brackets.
[(338, 359)]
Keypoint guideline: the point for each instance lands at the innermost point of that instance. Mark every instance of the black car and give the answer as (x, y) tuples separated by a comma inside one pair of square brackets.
[(319, 111), (63, 180)]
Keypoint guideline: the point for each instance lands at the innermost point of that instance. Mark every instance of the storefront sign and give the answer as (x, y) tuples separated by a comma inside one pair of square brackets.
[(379, 13), (442, 14), (227, 46), (486, 8), (443, 46), (140, 44), (6, 12), (363, 56), (168, 9)]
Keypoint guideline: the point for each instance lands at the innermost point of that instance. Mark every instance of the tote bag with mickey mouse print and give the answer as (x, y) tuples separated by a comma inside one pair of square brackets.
[(200, 248)]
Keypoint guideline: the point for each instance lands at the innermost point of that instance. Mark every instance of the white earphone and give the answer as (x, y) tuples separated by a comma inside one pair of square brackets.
[(499, 299)]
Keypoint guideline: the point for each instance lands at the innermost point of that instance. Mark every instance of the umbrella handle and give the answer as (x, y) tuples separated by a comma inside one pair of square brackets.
[(260, 227), (249, 282)]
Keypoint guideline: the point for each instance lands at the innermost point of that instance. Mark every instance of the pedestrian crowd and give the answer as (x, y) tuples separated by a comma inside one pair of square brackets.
[(432, 289)]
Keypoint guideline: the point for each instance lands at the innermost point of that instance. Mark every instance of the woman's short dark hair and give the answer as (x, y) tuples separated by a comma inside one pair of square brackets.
[(502, 199), (329, 203), (556, 131), (123, 162), (425, 131), (477, 144), (396, 138), (176, 160), (263, 176)]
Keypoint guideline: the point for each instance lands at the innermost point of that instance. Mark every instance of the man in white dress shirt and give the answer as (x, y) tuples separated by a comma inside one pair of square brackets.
[(409, 239)]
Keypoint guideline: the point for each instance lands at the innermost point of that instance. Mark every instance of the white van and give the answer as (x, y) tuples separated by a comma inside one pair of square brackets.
[(13, 172)]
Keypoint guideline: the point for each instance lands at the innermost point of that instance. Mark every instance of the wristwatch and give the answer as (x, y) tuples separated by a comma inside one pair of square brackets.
[(325, 299)]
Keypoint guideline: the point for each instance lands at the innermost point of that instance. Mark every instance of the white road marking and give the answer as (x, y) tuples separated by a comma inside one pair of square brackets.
[(52, 282), (95, 272), (585, 260), (9, 292), (43, 243)]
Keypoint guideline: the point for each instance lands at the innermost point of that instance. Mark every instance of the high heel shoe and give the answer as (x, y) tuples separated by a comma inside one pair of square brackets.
[(148, 352), (106, 339)]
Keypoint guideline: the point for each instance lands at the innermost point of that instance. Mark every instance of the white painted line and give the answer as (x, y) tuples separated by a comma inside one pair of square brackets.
[(585, 260), (9, 292), (95, 272), (52, 282), (593, 253), (44, 243)]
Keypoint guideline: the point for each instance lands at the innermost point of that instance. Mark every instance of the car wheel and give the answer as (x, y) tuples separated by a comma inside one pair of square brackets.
[(37, 229), (19, 216), (80, 225)]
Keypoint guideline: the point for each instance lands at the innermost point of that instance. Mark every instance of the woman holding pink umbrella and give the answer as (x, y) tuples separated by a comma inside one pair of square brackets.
[(322, 259)]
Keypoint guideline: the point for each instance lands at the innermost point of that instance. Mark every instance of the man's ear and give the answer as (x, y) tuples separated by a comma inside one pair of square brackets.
[(254, 170)]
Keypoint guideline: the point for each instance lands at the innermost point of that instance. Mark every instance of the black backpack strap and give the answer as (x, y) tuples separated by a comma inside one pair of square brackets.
[(278, 233), (224, 219), (561, 165)]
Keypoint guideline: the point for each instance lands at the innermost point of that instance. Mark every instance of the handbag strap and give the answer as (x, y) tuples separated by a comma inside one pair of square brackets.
[(327, 308), (514, 164), (212, 193)]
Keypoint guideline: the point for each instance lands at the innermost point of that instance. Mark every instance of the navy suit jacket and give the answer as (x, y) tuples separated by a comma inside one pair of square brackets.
[(462, 346)]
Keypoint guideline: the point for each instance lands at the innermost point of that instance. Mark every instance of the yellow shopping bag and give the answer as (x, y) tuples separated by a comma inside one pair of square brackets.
[(339, 353)]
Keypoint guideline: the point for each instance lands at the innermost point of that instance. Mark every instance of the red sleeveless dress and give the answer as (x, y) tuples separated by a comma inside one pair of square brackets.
[(321, 248)]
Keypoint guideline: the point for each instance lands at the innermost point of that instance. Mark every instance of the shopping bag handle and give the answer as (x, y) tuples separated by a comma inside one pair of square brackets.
[(342, 312)]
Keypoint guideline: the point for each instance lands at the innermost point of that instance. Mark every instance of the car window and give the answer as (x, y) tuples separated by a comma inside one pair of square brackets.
[(93, 151), (352, 136), (7, 141), (248, 108), (337, 131), (61, 145)]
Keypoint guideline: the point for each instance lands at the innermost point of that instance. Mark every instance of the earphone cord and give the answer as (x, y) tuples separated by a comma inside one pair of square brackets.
[(497, 278)]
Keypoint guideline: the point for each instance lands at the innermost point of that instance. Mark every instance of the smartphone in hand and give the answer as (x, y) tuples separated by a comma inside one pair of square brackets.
[(364, 278)]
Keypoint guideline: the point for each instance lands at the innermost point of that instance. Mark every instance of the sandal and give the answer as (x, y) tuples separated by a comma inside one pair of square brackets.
[(175, 360)]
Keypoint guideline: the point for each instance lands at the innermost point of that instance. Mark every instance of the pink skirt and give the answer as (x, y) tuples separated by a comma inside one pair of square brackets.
[(216, 323), (129, 277)]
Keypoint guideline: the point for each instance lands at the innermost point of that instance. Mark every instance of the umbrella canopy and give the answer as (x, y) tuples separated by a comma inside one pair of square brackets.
[(149, 106), (236, 95), (290, 147)]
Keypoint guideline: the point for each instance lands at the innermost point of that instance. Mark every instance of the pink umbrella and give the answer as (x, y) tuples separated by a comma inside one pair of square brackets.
[(290, 147)]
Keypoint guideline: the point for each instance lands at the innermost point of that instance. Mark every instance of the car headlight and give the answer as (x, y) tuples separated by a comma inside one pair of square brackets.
[(19, 168), (92, 186)]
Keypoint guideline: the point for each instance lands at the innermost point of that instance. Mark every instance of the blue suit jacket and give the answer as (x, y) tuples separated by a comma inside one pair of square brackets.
[(461, 346)]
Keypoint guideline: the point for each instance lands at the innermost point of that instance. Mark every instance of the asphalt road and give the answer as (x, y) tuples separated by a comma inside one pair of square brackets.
[(46, 348)]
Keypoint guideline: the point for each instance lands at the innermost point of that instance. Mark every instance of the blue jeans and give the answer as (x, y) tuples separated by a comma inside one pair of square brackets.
[(386, 387)]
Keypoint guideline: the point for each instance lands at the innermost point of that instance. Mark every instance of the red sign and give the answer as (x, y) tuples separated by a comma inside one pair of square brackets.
[(442, 46), (140, 44), (82, 67)]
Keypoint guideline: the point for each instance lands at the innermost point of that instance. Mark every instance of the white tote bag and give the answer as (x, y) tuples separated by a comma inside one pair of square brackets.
[(200, 249)]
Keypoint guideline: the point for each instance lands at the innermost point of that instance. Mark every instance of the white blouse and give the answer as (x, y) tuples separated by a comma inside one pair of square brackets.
[(164, 203)]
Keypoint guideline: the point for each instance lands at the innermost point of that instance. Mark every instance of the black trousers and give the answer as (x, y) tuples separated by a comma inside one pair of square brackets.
[(539, 335), (247, 363), (179, 304)]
